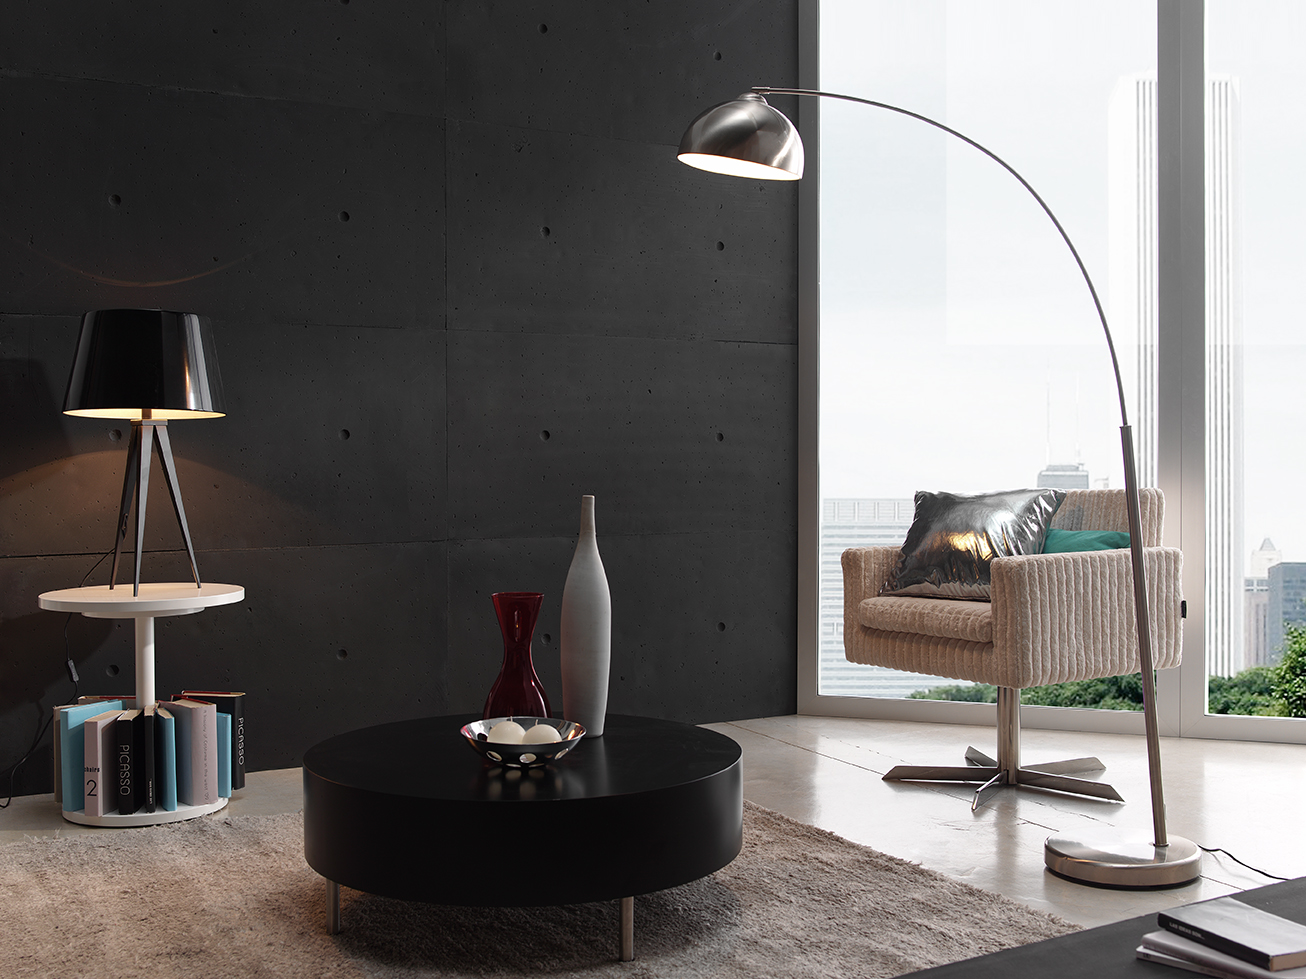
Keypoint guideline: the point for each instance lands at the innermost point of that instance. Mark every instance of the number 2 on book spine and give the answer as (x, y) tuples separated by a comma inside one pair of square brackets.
[(90, 786)]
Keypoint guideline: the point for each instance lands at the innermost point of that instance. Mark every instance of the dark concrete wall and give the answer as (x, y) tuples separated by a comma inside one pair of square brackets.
[(457, 280)]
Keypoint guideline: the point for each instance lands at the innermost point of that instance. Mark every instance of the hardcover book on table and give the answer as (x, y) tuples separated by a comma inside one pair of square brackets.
[(72, 750), (1236, 928), (197, 751), (56, 754), (229, 702), (165, 758), (145, 769), (224, 755), (97, 787), (125, 762), (1171, 948)]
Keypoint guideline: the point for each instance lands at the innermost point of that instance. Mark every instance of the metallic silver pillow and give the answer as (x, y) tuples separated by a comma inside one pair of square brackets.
[(953, 538)]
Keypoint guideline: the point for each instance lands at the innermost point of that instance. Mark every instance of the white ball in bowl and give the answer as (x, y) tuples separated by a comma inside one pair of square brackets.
[(541, 734), (508, 732)]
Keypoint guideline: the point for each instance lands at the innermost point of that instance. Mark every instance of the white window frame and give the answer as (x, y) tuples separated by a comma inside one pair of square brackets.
[(1181, 417)]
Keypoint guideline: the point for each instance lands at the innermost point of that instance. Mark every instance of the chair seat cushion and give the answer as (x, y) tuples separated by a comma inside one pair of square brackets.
[(938, 617)]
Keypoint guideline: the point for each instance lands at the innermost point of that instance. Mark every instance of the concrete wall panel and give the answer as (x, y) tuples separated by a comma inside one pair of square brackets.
[(265, 210), (312, 668), (621, 71), (703, 625), (358, 195), (560, 233), (334, 435), (379, 56), (670, 437)]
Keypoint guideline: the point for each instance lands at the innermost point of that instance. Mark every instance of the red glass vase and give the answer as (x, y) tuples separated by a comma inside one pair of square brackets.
[(517, 692)]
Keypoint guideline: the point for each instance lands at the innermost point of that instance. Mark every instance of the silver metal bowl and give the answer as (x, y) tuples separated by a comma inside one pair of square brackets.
[(522, 755)]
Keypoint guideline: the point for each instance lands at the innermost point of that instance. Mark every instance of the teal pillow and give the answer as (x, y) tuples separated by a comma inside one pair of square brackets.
[(1063, 541)]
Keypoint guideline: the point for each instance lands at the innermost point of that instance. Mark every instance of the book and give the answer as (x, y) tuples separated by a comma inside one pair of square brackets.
[(1238, 929), (231, 702), (98, 753), (124, 763), (224, 755), (72, 750), (56, 752), (197, 751), (56, 756), (1158, 946), (1164, 958), (165, 759), (145, 769)]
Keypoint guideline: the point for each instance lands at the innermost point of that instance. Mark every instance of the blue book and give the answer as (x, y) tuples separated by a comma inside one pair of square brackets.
[(72, 748), (224, 755), (165, 758)]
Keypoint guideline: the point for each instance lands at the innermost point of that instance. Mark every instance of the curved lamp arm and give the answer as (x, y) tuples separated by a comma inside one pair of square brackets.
[(748, 137), (1083, 270)]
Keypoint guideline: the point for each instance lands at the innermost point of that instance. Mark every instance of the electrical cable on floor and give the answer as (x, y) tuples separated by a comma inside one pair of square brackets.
[(71, 667), (49, 719), (1263, 873)]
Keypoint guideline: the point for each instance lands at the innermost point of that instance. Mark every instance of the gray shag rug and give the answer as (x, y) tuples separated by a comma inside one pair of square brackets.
[(232, 896)]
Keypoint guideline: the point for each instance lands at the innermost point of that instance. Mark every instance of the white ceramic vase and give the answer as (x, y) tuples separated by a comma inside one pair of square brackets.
[(586, 631)]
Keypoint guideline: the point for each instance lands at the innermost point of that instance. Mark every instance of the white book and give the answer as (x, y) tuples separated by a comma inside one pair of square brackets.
[(1215, 962), (99, 758)]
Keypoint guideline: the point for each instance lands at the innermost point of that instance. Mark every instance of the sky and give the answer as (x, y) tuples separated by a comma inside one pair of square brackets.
[(960, 346)]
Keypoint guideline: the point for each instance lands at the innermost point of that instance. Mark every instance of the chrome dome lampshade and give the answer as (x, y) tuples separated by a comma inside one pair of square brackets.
[(745, 137)]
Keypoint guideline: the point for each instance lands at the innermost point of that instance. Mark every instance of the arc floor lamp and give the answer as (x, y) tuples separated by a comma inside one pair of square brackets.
[(748, 137)]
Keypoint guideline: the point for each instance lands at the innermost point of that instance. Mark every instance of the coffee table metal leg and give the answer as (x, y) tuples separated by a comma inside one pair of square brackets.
[(627, 929), (333, 907)]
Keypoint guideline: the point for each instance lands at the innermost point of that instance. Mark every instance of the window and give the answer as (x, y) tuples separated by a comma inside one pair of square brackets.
[(1255, 354), (958, 346)]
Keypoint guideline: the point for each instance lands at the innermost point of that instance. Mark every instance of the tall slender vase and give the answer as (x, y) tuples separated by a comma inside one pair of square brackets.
[(586, 631), (517, 691)]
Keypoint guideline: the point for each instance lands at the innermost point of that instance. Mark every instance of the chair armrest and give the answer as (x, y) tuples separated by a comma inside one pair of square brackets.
[(865, 569), (1059, 617)]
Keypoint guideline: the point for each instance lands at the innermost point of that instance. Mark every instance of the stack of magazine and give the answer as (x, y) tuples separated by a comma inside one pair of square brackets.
[(1228, 938)]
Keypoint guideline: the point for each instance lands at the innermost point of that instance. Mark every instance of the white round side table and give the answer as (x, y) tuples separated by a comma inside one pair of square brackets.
[(155, 600)]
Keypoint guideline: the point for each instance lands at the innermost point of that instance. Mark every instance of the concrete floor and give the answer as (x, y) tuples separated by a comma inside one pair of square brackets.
[(1247, 798)]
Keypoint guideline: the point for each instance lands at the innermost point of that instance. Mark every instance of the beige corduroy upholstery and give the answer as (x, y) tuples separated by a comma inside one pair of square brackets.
[(1052, 618)]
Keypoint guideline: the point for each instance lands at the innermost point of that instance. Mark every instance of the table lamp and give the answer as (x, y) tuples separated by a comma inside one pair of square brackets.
[(148, 366), (748, 137)]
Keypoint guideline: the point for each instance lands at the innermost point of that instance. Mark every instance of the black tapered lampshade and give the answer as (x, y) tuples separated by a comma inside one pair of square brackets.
[(138, 363)]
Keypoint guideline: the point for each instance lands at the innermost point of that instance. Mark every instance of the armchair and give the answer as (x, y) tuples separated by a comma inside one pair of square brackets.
[(1052, 618)]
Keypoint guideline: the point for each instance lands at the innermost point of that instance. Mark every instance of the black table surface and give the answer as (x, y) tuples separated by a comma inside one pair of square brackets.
[(427, 758), (409, 809), (1106, 952)]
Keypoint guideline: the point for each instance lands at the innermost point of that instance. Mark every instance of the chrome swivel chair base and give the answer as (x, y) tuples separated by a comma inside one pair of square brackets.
[(1006, 770)]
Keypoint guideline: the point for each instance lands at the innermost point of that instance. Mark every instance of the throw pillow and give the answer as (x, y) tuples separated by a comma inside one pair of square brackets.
[(1064, 541), (954, 538)]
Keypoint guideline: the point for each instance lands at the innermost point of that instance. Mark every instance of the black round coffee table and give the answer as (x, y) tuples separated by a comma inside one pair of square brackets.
[(410, 810)]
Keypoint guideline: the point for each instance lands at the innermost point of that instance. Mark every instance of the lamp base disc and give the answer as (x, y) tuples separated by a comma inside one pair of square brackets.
[(1124, 865)]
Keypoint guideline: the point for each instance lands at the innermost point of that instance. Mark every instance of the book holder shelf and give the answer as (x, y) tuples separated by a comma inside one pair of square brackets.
[(154, 601)]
